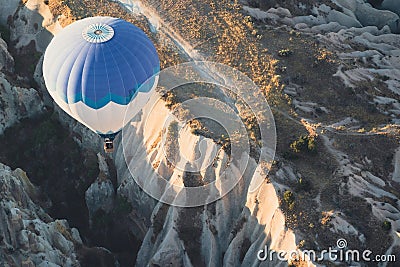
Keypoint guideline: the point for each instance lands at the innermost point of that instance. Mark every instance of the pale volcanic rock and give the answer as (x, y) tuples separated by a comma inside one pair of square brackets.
[(17, 103), (6, 60), (28, 234), (100, 195)]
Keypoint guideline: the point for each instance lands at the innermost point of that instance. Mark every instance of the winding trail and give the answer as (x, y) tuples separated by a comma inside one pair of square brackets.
[(187, 49), (184, 47)]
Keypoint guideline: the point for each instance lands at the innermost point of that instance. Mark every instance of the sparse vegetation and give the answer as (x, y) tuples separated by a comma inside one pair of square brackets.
[(72, 10), (62, 230), (305, 143), (324, 55), (303, 185), (386, 225), (169, 99), (289, 199), (285, 52), (326, 218)]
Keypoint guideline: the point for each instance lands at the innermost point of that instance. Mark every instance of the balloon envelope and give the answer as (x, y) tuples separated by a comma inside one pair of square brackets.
[(96, 66)]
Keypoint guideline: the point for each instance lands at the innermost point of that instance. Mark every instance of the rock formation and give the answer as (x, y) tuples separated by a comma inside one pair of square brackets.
[(28, 236), (16, 102)]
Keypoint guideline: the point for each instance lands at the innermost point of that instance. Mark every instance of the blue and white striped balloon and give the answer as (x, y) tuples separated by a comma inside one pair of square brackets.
[(96, 66)]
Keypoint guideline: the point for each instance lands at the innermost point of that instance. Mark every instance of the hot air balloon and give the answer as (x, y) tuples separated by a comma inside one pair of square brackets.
[(95, 67)]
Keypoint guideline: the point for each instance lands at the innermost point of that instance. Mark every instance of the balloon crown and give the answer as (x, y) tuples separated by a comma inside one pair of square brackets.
[(98, 33)]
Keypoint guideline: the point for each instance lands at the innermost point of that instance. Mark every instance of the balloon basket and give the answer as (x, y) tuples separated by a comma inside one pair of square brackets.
[(108, 145)]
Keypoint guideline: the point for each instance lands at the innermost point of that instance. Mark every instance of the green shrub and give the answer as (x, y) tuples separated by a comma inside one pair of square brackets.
[(304, 143), (289, 199), (303, 185), (386, 225), (288, 196), (285, 52)]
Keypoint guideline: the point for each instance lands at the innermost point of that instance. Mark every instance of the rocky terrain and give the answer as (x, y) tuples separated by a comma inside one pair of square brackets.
[(330, 71), (29, 236)]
